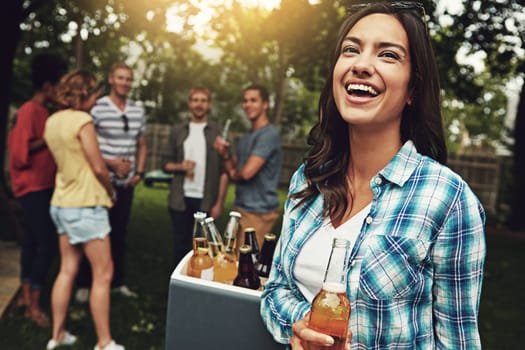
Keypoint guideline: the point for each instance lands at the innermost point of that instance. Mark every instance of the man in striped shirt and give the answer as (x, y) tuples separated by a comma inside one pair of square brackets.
[(121, 127)]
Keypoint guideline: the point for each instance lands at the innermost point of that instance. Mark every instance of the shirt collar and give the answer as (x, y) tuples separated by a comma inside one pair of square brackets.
[(399, 169)]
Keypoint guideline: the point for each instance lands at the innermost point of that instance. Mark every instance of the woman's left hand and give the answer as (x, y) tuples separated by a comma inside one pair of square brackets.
[(305, 338)]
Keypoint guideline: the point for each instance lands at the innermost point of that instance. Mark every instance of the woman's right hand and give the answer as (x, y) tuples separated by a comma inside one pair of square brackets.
[(305, 338)]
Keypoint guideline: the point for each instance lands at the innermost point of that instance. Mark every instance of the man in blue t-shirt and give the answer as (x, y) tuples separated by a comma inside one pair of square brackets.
[(255, 167)]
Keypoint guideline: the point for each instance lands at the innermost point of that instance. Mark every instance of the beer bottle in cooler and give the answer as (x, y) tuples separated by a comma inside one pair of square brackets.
[(200, 264), (246, 276), (230, 233), (224, 266), (264, 264), (251, 240), (331, 308)]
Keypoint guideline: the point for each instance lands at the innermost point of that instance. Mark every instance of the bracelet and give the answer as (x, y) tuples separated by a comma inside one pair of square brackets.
[(140, 174)]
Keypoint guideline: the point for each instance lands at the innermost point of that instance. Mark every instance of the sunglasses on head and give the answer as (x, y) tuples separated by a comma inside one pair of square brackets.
[(398, 5)]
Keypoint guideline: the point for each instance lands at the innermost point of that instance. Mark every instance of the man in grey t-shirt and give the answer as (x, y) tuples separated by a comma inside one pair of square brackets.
[(255, 167)]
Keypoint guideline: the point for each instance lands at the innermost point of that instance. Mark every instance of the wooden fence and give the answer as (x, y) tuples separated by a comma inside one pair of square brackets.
[(482, 173)]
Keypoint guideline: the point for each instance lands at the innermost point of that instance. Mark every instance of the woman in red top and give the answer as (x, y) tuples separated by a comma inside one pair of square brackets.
[(32, 171)]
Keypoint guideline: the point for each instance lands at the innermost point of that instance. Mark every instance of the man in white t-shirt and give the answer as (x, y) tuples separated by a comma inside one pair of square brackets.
[(199, 181)]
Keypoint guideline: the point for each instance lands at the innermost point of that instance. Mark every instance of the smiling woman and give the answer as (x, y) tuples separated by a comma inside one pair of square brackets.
[(374, 176)]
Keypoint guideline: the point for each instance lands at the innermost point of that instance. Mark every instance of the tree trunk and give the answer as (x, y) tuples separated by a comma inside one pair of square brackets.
[(280, 91), (8, 43), (516, 220)]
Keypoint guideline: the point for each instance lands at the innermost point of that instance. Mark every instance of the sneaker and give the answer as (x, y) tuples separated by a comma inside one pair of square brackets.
[(110, 346), (125, 291), (69, 339), (82, 295)]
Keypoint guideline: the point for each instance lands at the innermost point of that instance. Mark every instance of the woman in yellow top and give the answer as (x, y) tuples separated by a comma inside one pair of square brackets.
[(79, 206)]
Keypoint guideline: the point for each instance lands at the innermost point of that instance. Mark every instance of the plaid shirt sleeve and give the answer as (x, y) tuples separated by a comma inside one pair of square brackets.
[(458, 258)]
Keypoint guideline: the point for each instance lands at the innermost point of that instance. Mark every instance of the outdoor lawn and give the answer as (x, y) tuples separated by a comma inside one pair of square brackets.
[(140, 323)]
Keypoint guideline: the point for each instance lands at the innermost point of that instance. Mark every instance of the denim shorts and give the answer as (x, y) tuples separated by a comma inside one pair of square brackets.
[(81, 224)]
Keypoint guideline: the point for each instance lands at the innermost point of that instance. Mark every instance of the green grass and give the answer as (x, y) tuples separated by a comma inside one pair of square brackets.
[(140, 323)]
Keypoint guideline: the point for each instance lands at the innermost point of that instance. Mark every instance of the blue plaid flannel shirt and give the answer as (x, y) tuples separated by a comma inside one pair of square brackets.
[(416, 269)]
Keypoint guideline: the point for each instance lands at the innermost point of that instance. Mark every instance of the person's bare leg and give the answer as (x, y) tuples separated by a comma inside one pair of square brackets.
[(69, 260), (98, 252)]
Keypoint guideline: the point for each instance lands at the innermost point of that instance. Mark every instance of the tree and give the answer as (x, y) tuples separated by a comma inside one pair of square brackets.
[(496, 28)]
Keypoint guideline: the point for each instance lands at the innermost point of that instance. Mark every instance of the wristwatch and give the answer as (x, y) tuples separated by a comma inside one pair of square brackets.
[(140, 174)]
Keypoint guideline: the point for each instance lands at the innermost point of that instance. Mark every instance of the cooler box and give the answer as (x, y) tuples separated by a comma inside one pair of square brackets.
[(211, 315)]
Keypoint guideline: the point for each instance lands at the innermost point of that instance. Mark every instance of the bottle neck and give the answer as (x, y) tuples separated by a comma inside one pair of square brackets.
[(336, 271), (267, 252), (245, 268)]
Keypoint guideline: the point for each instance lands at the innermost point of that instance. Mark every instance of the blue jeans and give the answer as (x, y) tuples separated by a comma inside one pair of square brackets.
[(40, 243), (182, 222)]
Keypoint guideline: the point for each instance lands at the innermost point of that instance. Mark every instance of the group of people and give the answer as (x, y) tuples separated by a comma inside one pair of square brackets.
[(202, 165), (375, 175), (92, 153), (73, 173)]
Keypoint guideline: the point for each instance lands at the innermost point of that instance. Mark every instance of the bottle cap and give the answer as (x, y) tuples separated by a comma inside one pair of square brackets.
[(199, 215), (249, 229), (208, 220), (270, 236), (245, 248), (235, 214)]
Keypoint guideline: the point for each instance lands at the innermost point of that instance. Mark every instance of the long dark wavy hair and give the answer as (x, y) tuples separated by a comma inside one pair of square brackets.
[(327, 160)]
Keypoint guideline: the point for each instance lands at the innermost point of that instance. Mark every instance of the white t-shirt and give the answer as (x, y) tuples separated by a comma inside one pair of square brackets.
[(312, 260), (195, 149)]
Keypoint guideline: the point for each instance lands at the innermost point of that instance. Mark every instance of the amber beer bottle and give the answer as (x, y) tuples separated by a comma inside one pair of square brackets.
[(230, 233), (331, 307), (246, 276), (264, 264), (224, 266), (200, 264), (251, 240)]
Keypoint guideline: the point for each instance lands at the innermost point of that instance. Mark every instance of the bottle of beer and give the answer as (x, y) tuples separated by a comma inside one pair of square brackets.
[(246, 276), (230, 233), (224, 266), (264, 264), (331, 307), (251, 240), (200, 264)]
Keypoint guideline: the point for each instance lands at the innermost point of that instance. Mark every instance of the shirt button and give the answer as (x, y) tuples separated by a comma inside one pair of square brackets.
[(369, 220), (378, 181), (353, 263)]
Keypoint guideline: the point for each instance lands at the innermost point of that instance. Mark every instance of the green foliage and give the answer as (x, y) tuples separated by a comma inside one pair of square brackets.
[(287, 49)]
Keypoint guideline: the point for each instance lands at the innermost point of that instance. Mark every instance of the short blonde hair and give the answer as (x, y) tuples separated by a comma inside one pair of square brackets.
[(119, 65), (74, 88)]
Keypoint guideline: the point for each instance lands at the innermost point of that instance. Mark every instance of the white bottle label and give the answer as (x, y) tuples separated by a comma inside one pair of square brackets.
[(207, 274)]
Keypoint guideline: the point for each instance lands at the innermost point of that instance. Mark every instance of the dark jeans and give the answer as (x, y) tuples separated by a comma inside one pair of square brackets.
[(118, 219), (182, 222), (40, 241)]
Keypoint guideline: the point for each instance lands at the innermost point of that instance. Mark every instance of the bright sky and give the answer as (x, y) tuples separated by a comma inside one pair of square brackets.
[(200, 22), (207, 7)]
